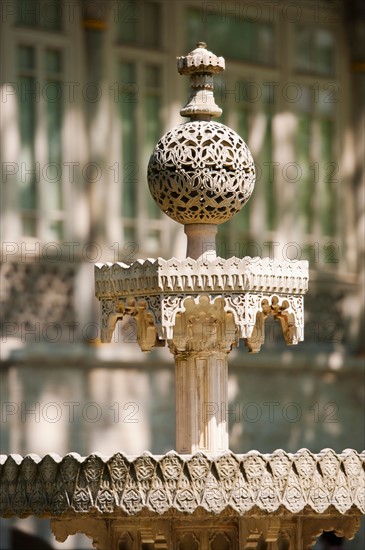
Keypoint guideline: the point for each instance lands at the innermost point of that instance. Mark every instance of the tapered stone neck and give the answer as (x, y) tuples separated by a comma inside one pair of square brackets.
[(201, 241)]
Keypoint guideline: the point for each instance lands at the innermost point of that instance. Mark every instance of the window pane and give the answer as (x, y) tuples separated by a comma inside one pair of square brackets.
[(153, 76), (241, 221), (29, 226), (314, 51), (128, 77), (128, 102), (328, 178), (94, 59), (305, 99), (303, 50), (28, 12), (152, 107), (306, 182), (324, 51), (27, 180), (27, 120), (56, 230), (51, 14), (52, 93), (221, 95), (26, 58), (45, 14), (140, 22), (268, 175), (128, 17), (54, 129), (265, 43), (232, 37), (327, 99), (152, 24), (130, 235), (53, 61), (153, 242), (245, 37)]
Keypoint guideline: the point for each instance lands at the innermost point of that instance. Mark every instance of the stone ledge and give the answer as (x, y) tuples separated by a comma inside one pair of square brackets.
[(168, 484)]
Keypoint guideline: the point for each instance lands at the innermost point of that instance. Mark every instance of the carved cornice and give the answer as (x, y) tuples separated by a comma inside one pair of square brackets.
[(169, 484), (235, 275)]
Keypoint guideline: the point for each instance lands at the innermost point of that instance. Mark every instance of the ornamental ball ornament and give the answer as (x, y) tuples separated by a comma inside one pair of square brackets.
[(201, 172)]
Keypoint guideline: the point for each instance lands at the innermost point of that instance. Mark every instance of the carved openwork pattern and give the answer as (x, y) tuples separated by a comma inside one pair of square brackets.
[(201, 172), (53, 485)]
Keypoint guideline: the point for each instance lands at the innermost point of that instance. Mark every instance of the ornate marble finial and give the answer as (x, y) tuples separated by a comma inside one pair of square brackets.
[(201, 173), (201, 64)]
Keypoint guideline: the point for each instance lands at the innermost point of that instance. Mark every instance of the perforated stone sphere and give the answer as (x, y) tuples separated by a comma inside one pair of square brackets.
[(201, 172)]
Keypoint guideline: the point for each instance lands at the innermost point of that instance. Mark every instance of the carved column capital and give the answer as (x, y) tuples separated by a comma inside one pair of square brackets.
[(155, 291)]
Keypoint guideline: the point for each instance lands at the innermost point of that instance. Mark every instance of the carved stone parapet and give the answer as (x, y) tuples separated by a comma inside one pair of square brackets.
[(154, 292)]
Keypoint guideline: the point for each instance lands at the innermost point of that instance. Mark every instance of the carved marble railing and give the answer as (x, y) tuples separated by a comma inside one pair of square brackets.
[(279, 489)]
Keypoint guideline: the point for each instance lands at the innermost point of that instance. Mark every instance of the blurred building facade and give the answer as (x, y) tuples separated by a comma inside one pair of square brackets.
[(87, 90)]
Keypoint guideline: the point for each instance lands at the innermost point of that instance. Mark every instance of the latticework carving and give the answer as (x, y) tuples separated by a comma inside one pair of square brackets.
[(201, 172), (36, 296), (172, 483)]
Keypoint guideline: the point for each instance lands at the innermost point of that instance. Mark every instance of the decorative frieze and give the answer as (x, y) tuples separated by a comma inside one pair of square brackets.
[(169, 484)]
